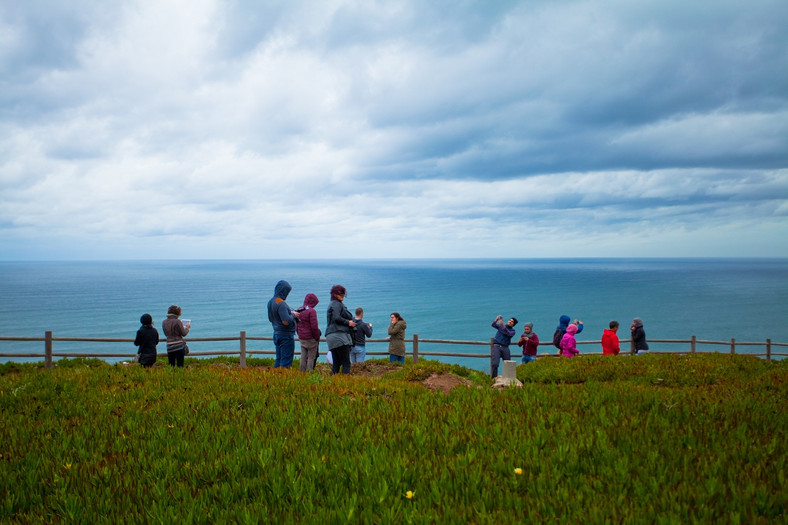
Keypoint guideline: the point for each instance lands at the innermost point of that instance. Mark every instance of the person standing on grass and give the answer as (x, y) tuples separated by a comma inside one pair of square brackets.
[(175, 331), (396, 333), (308, 332), (500, 347), (638, 336), (363, 330), (147, 339), (529, 341), (283, 320), (338, 331), (568, 342), (560, 330), (610, 344)]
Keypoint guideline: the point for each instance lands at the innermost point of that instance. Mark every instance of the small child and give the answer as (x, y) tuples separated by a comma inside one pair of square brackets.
[(610, 344), (568, 343), (147, 339)]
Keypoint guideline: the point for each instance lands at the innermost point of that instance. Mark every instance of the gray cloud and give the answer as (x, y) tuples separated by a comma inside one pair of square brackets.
[(251, 129)]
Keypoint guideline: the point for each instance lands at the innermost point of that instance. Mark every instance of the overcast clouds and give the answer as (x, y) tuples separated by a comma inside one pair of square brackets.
[(208, 129)]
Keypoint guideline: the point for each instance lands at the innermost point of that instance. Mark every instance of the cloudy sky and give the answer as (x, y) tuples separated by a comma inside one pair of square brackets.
[(333, 128)]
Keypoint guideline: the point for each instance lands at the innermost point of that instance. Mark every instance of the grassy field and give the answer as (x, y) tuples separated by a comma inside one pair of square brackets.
[(647, 439)]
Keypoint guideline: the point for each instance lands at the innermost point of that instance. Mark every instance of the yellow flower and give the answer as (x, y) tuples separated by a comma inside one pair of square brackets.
[(518, 471), (409, 494), (67, 466)]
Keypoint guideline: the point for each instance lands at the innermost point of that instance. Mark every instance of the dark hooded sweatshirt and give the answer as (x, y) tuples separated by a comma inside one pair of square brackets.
[(279, 313)]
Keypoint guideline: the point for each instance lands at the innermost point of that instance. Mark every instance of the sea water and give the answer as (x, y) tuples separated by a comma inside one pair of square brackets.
[(713, 299)]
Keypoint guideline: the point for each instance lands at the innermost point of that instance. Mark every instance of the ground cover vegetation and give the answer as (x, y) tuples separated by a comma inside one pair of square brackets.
[(646, 439)]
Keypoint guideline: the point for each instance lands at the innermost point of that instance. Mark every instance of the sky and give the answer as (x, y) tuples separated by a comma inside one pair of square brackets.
[(298, 129)]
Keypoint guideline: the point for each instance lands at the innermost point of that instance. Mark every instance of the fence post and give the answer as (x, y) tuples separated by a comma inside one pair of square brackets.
[(415, 348), (243, 349), (733, 346), (692, 344), (768, 350), (48, 349), (632, 350)]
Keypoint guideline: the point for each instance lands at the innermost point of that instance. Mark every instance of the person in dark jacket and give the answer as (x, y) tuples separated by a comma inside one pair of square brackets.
[(638, 336), (308, 332), (340, 323), (175, 331), (363, 330), (147, 339), (283, 321), (500, 347)]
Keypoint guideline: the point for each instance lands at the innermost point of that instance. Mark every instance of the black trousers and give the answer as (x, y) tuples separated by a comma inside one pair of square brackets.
[(341, 356), (176, 358), (147, 360)]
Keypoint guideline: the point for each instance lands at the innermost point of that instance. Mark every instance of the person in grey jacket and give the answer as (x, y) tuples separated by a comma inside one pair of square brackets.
[(338, 336)]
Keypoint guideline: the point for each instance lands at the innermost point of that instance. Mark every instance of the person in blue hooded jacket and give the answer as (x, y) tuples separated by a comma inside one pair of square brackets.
[(500, 347), (283, 320), (560, 330)]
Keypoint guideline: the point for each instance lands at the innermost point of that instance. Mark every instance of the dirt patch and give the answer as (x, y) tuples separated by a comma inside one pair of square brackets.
[(445, 382)]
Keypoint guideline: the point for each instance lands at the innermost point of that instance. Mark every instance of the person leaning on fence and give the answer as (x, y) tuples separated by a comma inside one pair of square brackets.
[(638, 336), (363, 330), (308, 332), (530, 342), (338, 332), (175, 331), (396, 331), (610, 344), (500, 347), (568, 342), (147, 339)]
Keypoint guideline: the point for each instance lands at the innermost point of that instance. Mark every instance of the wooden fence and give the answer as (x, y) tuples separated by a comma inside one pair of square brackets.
[(692, 346)]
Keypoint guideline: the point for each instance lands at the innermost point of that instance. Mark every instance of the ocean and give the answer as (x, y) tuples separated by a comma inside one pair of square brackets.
[(713, 299)]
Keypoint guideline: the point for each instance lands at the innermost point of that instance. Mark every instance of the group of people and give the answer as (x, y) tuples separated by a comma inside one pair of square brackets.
[(174, 329), (345, 333), (563, 339)]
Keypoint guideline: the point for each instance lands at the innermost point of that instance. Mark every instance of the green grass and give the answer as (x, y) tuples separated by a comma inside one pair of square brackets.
[(646, 439)]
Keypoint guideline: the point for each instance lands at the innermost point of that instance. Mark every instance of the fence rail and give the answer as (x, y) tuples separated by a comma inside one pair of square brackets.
[(49, 339)]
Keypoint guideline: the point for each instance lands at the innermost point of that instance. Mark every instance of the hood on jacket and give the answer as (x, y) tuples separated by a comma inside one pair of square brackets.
[(282, 289), (563, 322), (146, 320), (571, 329), (311, 300)]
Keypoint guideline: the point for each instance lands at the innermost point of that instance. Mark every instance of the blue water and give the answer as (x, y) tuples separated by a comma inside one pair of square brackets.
[(714, 299)]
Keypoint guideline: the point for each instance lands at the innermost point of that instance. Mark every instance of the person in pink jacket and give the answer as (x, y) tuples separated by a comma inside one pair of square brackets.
[(568, 343)]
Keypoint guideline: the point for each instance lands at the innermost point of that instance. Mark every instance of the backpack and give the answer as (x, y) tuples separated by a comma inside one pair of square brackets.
[(557, 336)]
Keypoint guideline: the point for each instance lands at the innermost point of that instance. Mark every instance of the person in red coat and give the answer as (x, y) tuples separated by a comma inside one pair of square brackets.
[(610, 344)]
